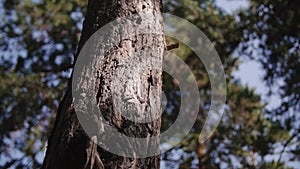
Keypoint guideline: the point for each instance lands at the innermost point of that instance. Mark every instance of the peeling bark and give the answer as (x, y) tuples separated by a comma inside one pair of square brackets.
[(68, 145)]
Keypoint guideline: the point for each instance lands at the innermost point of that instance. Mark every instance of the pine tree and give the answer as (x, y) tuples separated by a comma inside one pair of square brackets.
[(69, 146)]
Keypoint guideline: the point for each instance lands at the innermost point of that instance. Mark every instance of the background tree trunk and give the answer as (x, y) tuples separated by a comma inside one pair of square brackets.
[(68, 145)]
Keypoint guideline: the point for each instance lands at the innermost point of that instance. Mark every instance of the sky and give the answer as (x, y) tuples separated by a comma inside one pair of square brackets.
[(232, 5), (250, 72)]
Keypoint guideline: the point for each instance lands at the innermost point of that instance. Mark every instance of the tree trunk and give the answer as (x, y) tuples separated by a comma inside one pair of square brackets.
[(69, 146)]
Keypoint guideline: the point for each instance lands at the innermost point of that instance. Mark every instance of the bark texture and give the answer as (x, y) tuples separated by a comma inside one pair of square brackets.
[(69, 146)]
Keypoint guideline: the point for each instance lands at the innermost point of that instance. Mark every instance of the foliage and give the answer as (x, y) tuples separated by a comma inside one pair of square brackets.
[(37, 40), (275, 25)]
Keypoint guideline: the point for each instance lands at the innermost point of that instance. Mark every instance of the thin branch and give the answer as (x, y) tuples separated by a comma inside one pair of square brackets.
[(55, 70), (285, 146), (173, 46)]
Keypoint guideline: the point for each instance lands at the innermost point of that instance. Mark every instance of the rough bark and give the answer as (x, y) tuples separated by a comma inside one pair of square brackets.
[(69, 146)]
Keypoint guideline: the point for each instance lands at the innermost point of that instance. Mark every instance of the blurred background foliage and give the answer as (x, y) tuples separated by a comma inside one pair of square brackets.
[(39, 37)]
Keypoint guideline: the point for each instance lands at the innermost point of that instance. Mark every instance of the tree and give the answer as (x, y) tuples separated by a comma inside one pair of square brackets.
[(270, 28), (69, 146), (278, 46), (225, 148), (38, 39)]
